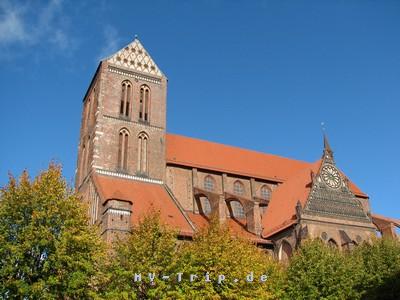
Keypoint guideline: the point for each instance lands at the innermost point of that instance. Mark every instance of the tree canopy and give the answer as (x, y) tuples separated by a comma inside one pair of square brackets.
[(47, 248)]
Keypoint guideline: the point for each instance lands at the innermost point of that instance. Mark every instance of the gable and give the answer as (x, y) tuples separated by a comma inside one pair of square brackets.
[(135, 57)]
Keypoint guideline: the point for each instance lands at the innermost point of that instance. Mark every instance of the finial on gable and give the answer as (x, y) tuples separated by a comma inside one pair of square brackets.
[(327, 148), (328, 153)]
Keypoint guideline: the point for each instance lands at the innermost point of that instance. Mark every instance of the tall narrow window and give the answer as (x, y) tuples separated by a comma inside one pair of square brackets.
[(83, 163), (238, 188), (209, 183), (126, 94), (123, 144), (144, 103), (128, 99), (142, 153), (89, 155), (88, 110)]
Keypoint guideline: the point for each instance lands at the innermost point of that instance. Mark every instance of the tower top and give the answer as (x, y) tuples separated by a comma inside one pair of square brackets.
[(135, 57)]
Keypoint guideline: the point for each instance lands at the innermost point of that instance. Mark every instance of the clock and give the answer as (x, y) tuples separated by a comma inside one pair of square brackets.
[(331, 176)]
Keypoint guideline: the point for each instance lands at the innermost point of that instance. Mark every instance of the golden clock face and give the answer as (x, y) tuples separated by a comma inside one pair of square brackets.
[(331, 176)]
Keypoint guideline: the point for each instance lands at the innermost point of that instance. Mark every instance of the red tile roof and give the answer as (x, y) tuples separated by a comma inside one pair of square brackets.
[(295, 175), (145, 198), (395, 222), (281, 211), (197, 153), (192, 152)]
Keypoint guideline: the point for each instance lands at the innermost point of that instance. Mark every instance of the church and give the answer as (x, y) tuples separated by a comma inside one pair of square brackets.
[(128, 165)]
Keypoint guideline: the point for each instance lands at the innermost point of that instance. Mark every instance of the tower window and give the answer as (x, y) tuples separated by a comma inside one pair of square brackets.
[(209, 183), (126, 94), (144, 103), (123, 144), (82, 172), (238, 188), (142, 153)]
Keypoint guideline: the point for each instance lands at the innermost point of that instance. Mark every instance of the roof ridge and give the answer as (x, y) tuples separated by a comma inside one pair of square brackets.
[(239, 148)]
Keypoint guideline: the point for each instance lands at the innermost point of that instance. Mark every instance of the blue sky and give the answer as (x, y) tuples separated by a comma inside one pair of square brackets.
[(256, 74)]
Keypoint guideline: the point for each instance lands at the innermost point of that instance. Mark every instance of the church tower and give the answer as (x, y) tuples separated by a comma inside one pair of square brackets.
[(122, 126)]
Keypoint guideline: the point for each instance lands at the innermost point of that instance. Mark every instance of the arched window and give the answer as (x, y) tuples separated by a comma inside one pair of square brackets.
[(237, 210), (265, 192), (205, 206), (144, 103), (238, 188), (285, 251), (126, 94), (142, 153), (123, 143), (209, 183), (332, 243)]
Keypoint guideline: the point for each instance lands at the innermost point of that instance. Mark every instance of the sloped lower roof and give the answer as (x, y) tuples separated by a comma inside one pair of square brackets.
[(281, 210), (379, 218), (145, 198)]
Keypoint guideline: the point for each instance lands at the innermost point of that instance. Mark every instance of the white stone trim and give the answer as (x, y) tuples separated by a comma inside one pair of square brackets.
[(116, 211), (139, 124), (133, 75), (98, 167), (127, 176)]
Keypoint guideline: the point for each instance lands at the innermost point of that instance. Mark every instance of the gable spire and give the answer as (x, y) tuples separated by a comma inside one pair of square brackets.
[(327, 148)]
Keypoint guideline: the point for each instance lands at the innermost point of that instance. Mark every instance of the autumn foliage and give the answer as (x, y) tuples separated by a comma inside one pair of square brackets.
[(48, 250)]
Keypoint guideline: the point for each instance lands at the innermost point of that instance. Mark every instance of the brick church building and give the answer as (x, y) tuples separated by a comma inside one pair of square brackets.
[(129, 165)]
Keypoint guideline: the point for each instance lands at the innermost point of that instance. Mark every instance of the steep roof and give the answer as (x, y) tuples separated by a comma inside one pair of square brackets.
[(281, 210), (193, 152), (145, 198), (198, 153)]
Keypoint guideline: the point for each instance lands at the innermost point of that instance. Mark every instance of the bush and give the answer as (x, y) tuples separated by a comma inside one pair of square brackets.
[(380, 264), (317, 271)]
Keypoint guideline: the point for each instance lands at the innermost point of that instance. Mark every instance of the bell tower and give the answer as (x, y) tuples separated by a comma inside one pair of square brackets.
[(124, 118), (122, 134)]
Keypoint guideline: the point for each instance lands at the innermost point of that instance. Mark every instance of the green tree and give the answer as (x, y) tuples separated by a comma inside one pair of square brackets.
[(47, 248), (150, 248), (380, 265), (216, 251), (317, 271)]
